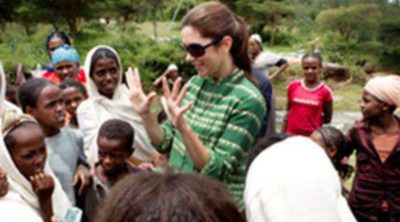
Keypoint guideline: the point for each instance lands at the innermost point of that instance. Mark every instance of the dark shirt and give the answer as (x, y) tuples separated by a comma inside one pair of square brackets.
[(266, 90), (375, 181)]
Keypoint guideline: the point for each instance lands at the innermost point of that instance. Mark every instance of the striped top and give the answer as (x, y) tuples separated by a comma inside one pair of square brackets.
[(226, 115)]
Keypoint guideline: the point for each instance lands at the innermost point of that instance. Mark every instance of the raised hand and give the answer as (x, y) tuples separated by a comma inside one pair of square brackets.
[(140, 101), (42, 185), (3, 183), (172, 103)]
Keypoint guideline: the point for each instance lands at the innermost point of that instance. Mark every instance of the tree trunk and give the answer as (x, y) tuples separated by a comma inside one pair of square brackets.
[(73, 19), (155, 20)]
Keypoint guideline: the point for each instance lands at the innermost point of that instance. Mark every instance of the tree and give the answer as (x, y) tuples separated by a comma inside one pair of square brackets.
[(261, 13), (350, 21)]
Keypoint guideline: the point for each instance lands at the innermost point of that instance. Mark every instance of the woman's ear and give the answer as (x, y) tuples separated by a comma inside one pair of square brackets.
[(226, 43)]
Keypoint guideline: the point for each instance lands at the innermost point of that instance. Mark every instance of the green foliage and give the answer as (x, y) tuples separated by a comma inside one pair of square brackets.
[(389, 35), (350, 22)]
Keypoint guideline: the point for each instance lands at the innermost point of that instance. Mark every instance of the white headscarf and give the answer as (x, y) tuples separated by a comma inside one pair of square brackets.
[(4, 104), (97, 109), (20, 189), (385, 88), (294, 180)]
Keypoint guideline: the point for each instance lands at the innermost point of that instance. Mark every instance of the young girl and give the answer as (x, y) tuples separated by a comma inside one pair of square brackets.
[(334, 143), (212, 120), (109, 98), (74, 94), (376, 139), (309, 101), (34, 193)]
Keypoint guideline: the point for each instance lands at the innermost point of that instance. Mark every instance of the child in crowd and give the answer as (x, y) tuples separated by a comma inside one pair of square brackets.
[(74, 93), (154, 197), (114, 141), (334, 143), (66, 64), (44, 101), (109, 98), (376, 139), (309, 101), (264, 60), (34, 193)]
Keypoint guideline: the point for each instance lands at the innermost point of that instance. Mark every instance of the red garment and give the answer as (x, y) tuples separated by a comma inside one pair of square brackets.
[(306, 107), (54, 77)]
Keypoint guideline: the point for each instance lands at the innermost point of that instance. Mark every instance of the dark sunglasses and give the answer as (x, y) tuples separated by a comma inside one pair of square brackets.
[(196, 50)]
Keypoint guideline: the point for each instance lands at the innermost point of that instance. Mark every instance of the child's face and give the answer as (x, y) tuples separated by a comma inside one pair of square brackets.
[(72, 97), (105, 76), (370, 106), (50, 109), (311, 68), (112, 155), (29, 151), (67, 70)]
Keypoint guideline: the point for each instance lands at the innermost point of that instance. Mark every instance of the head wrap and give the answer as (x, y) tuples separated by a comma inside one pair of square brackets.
[(20, 188), (12, 119), (385, 88), (256, 38), (64, 53), (294, 180)]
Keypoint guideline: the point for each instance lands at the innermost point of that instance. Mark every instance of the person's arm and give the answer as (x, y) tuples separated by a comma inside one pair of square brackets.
[(43, 186), (280, 70), (242, 128), (142, 106), (328, 110)]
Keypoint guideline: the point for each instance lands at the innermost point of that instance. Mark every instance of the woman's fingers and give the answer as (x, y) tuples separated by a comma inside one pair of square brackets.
[(176, 87), (182, 94), (129, 78), (165, 87)]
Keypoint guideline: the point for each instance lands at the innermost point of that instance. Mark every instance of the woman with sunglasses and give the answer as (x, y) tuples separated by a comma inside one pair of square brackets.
[(213, 119)]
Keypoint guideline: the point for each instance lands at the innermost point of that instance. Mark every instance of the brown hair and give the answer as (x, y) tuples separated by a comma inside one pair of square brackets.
[(154, 197), (215, 20)]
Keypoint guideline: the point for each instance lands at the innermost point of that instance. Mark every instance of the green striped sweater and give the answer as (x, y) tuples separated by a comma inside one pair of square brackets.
[(226, 115)]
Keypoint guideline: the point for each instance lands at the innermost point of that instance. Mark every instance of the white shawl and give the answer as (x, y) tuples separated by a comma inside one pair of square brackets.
[(294, 180), (97, 109), (21, 193)]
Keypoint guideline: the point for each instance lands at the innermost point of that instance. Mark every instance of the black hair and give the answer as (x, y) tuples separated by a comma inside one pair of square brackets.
[(263, 144), (59, 34), (118, 129), (73, 83), (29, 92), (9, 139), (167, 197), (313, 55), (334, 138), (102, 53)]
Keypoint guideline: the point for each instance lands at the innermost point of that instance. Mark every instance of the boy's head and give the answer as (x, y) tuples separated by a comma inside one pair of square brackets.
[(74, 93), (44, 101), (115, 142), (65, 60)]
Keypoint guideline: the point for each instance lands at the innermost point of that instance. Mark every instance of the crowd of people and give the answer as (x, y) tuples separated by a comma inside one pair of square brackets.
[(84, 142)]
